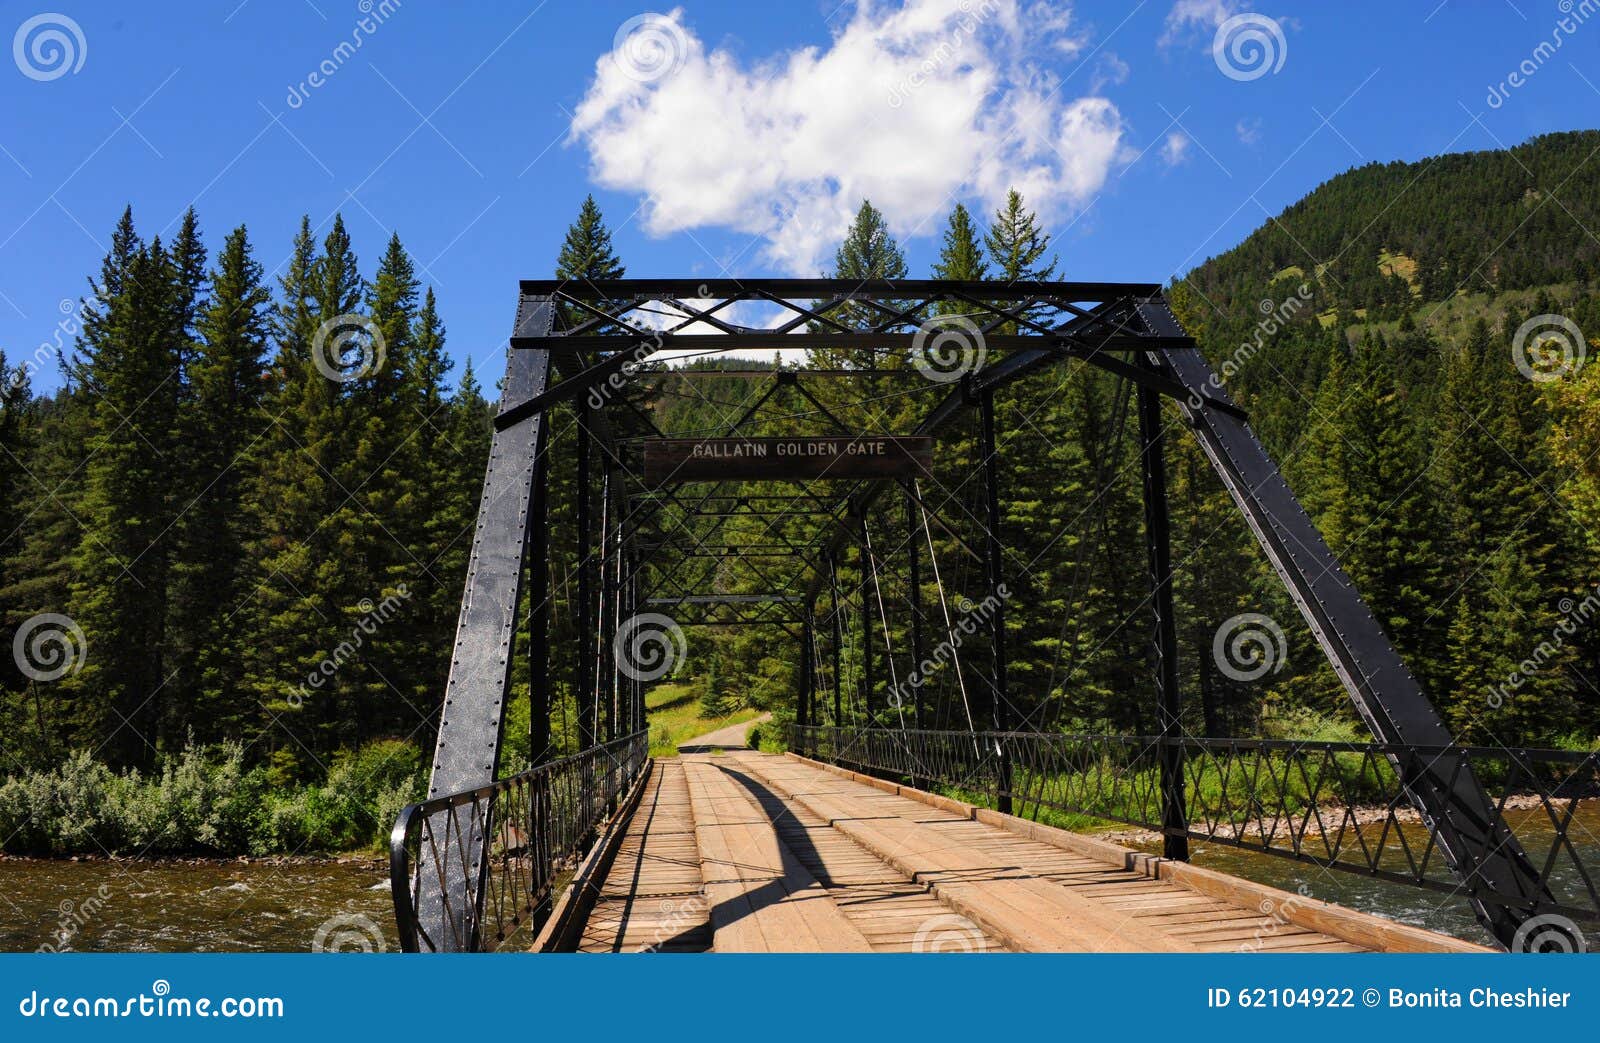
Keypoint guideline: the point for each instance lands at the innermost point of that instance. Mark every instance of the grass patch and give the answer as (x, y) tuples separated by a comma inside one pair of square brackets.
[(1398, 264)]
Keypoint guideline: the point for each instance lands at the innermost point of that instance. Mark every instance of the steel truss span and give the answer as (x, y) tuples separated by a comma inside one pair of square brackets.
[(585, 346)]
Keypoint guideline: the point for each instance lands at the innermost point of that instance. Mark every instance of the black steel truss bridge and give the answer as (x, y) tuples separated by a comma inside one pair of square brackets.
[(486, 857)]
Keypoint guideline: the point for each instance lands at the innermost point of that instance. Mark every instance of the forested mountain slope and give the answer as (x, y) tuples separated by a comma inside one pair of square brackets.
[(1390, 334)]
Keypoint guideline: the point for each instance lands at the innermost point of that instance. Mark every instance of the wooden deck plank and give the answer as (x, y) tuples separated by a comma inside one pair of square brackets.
[(1000, 878), (763, 898), (761, 853), (652, 900)]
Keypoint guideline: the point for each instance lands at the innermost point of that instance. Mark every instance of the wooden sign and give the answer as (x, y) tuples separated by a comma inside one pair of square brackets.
[(778, 459)]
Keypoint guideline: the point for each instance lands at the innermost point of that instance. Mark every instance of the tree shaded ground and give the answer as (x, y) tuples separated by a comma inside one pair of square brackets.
[(677, 713)]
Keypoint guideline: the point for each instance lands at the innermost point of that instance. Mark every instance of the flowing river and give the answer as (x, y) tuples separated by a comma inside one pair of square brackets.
[(99, 906)]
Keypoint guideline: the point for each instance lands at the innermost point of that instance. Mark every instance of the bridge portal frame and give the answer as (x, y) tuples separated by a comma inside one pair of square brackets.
[(589, 333)]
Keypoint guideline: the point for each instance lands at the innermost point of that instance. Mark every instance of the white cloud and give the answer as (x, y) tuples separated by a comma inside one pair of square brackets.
[(1191, 17), (910, 105), (1109, 71), (1175, 149), (1199, 20), (1248, 130)]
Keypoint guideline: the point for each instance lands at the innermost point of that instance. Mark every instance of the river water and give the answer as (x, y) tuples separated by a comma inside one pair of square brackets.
[(104, 906)]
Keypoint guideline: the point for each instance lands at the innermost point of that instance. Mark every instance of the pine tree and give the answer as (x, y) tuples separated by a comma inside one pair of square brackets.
[(1017, 245), (16, 395), (586, 251), (223, 425), (1390, 540), (586, 255), (432, 519), (382, 526), (188, 257), (716, 703), (293, 496), (40, 568), (16, 431), (961, 255), (868, 251), (129, 360), (1503, 561)]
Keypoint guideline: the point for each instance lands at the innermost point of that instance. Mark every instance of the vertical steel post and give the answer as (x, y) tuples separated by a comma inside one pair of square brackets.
[(612, 622), (1174, 820), (621, 709), (638, 685), (914, 546), (811, 673), (866, 630), (635, 686), (803, 707), (838, 640), (604, 726), (583, 687), (993, 566), (629, 596), (538, 565)]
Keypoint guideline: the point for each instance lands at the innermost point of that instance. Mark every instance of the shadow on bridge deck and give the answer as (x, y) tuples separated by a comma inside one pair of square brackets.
[(752, 852)]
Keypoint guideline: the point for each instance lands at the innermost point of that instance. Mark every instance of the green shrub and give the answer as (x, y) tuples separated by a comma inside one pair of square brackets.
[(206, 801), (1307, 725)]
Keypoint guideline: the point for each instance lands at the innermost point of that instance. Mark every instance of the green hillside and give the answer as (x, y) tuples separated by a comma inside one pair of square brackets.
[(1372, 331)]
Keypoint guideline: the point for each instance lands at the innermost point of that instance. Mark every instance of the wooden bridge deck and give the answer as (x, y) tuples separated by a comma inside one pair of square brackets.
[(752, 852)]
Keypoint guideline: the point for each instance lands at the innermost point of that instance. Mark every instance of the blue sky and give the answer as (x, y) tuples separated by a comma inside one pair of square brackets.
[(729, 138)]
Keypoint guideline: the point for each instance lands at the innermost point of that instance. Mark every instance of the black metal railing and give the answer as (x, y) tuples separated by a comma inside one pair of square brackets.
[(471, 870), (1338, 805)]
